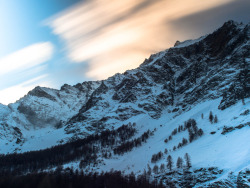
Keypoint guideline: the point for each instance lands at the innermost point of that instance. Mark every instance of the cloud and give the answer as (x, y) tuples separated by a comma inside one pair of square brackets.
[(17, 77), (11, 94), (26, 58), (20, 66), (114, 36)]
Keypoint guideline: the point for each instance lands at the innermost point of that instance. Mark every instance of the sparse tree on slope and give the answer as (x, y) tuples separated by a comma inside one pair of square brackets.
[(211, 117), (188, 161), (169, 162), (215, 119), (179, 163)]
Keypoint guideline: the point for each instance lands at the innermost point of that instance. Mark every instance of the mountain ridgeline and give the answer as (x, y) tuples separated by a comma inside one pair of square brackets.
[(197, 90), (213, 66)]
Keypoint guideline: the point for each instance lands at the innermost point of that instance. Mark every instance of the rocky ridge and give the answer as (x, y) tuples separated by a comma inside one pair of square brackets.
[(213, 66), (171, 81), (187, 81), (44, 107)]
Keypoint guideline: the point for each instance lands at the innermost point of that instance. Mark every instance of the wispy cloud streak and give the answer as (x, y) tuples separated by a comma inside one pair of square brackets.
[(114, 36), (26, 58), (11, 94), (22, 70)]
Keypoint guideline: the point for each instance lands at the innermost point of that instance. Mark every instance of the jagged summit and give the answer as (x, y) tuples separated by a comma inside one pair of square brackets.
[(210, 67), (168, 89), (207, 68), (189, 80)]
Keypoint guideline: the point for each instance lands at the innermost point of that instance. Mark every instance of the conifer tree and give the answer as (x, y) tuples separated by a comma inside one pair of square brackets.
[(188, 161), (169, 162), (179, 163), (215, 119), (211, 117), (149, 170)]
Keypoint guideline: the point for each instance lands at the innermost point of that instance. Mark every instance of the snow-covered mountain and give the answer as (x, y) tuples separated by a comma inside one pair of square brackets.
[(42, 108), (173, 80), (205, 81)]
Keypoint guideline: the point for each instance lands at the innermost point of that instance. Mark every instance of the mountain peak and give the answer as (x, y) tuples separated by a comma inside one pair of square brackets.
[(189, 100), (204, 81)]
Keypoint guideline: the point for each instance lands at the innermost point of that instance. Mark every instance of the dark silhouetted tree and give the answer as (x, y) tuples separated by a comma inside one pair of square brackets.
[(169, 162), (149, 172), (184, 141), (215, 119), (166, 151), (200, 132), (188, 161), (211, 117), (179, 163), (156, 169)]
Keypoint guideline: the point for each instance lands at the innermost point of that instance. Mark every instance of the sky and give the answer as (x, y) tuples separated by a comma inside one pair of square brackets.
[(53, 42)]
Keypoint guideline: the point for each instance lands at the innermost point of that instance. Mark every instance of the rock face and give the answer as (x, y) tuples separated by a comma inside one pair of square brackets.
[(161, 96), (45, 107), (213, 66), (49, 107)]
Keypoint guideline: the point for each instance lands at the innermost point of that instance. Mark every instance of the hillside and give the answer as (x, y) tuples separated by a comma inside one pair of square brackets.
[(192, 98)]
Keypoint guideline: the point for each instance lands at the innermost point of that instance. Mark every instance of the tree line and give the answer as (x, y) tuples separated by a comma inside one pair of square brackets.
[(85, 149), (68, 178), (129, 145), (193, 132), (170, 164)]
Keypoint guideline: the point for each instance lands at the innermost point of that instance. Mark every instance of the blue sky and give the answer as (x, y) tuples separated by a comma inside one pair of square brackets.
[(22, 26), (52, 42), (22, 22)]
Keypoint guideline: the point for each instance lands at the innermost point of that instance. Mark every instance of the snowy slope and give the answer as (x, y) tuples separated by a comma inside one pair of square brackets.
[(215, 66), (229, 152), (42, 109), (181, 83)]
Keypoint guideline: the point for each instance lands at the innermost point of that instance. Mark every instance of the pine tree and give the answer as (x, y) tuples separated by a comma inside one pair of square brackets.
[(166, 151), (188, 161), (179, 163), (215, 119), (191, 135), (200, 132), (174, 148), (184, 141), (149, 170), (211, 117), (169, 162)]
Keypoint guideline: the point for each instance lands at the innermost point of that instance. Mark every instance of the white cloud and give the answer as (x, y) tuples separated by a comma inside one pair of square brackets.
[(120, 34), (27, 62), (26, 58), (11, 94)]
